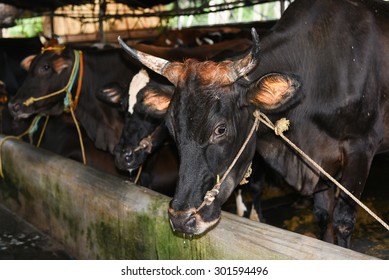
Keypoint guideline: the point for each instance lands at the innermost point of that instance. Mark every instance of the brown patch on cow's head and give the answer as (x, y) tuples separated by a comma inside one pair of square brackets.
[(155, 101), (215, 73), (60, 64), (208, 72), (273, 90)]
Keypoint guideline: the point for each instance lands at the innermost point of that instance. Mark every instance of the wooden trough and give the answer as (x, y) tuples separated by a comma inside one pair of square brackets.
[(98, 216)]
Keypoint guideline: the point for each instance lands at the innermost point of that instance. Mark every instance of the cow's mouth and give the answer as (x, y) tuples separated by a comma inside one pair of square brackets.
[(19, 111), (189, 222), (21, 116), (126, 161)]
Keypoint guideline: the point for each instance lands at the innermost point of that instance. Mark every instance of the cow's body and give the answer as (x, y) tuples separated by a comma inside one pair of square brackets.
[(334, 60)]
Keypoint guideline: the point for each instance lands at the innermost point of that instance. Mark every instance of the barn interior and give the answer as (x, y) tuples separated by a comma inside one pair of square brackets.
[(98, 23)]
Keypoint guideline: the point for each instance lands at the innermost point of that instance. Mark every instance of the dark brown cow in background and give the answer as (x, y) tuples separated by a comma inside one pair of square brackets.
[(51, 72)]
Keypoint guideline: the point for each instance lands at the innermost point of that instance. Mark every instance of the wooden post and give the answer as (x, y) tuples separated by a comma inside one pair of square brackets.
[(98, 216), (102, 12), (282, 4)]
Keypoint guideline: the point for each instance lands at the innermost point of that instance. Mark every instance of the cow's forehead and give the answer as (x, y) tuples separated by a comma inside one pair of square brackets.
[(204, 74), (45, 57), (200, 110), (203, 87), (200, 100)]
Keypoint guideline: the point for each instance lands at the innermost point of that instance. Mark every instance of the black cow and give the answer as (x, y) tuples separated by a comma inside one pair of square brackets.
[(323, 67), (50, 72), (145, 140), (145, 106), (60, 135), (143, 120)]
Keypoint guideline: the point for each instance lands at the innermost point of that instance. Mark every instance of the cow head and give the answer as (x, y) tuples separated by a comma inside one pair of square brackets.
[(48, 72), (209, 117), (144, 128)]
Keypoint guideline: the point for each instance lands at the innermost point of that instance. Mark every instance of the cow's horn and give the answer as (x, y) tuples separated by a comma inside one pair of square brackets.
[(244, 65), (156, 64)]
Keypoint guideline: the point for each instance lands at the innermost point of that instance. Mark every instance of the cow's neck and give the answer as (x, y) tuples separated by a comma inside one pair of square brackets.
[(282, 159), (102, 123), (95, 119)]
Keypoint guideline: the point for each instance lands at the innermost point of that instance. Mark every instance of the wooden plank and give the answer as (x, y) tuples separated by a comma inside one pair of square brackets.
[(112, 36), (98, 216)]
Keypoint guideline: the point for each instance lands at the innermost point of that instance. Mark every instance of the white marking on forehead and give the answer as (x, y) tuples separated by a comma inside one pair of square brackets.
[(139, 81)]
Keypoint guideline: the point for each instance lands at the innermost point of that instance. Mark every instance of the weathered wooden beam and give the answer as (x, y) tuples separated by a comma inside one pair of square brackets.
[(98, 216)]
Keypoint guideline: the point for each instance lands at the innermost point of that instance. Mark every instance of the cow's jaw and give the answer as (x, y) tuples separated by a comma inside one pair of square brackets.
[(20, 116)]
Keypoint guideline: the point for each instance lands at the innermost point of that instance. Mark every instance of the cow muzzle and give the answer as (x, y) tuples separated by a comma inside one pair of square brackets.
[(125, 159), (19, 111), (189, 222)]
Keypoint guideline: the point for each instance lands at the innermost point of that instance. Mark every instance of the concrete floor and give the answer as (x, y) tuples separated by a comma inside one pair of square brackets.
[(21, 241)]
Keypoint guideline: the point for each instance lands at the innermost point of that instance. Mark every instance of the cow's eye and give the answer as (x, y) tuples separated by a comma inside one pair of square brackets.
[(44, 69), (220, 130)]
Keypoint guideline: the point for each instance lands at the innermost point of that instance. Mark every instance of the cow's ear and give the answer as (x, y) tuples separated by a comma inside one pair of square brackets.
[(26, 62), (111, 94), (155, 102), (43, 38), (61, 63), (273, 90)]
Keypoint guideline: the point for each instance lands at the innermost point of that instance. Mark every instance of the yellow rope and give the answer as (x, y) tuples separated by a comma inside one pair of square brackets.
[(279, 128), (58, 48), (79, 135), (18, 137), (138, 175), (43, 131), (31, 100)]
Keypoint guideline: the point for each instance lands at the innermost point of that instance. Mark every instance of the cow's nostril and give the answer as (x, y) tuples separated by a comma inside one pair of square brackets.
[(128, 156), (15, 107), (191, 222)]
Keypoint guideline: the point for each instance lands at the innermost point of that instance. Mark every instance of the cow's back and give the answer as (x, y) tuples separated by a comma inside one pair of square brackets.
[(338, 50)]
